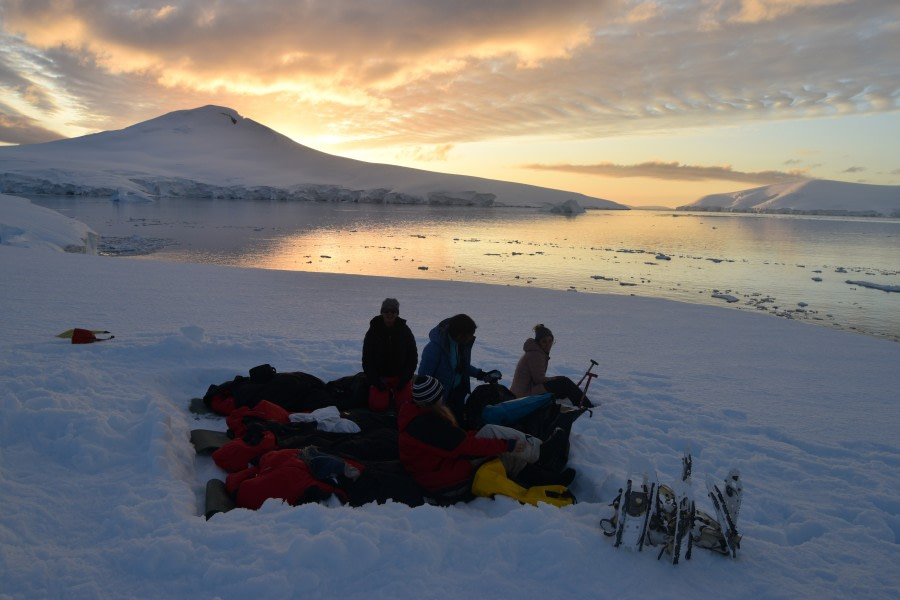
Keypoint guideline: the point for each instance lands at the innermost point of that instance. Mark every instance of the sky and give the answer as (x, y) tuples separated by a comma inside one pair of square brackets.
[(639, 102)]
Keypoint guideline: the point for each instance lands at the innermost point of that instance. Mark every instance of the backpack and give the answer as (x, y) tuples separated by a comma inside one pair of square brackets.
[(484, 395)]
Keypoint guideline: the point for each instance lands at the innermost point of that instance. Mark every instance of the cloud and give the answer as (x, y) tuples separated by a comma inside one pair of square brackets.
[(271, 43), (430, 154), (19, 129), (430, 72), (854, 170), (755, 11), (674, 171)]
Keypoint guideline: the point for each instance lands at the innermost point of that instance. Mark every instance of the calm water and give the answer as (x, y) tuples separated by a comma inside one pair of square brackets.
[(793, 267)]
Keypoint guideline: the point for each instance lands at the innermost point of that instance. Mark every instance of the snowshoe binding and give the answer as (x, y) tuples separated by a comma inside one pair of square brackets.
[(673, 516)]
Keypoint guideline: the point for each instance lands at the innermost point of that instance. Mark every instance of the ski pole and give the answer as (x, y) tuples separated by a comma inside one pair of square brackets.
[(588, 373), (589, 376)]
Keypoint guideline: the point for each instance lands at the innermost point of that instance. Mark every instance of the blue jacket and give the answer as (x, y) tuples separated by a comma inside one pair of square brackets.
[(447, 361)]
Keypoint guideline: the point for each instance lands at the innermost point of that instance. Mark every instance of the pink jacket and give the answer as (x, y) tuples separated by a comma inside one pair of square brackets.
[(531, 371)]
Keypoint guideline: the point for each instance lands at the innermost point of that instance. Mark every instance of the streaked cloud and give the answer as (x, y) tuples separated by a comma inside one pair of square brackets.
[(432, 153), (16, 129), (467, 70), (754, 11), (674, 171)]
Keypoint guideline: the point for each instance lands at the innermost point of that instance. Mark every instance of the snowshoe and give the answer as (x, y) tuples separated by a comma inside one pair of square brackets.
[(707, 534), (661, 528), (685, 511), (673, 516), (633, 514), (726, 501)]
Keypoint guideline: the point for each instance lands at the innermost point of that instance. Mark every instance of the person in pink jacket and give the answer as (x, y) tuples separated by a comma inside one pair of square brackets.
[(530, 378)]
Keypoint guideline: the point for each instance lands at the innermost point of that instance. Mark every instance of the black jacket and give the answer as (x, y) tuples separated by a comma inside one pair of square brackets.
[(389, 351)]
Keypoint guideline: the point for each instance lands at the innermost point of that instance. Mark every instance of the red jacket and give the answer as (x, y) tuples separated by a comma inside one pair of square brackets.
[(263, 411), (280, 474), (237, 454), (436, 453)]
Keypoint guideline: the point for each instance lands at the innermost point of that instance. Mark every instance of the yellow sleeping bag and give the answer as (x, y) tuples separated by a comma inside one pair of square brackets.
[(490, 479)]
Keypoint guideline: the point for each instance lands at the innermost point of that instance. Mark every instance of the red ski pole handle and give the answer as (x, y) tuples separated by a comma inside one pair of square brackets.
[(588, 373)]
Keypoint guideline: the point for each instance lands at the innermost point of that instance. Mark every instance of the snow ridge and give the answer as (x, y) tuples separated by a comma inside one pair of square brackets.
[(814, 196)]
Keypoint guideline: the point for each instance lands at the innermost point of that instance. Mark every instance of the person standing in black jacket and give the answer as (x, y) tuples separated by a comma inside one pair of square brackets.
[(389, 358)]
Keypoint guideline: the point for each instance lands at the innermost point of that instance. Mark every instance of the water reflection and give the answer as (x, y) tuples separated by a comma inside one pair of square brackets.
[(770, 263)]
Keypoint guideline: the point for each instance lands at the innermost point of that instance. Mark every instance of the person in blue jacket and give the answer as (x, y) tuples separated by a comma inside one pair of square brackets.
[(448, 358)]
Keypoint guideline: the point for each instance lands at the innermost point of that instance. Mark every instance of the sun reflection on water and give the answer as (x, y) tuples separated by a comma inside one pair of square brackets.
[(797, 267)]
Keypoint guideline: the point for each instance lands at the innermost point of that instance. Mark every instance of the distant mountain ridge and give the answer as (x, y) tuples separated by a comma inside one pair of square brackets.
[(813, 196), (214, 152)]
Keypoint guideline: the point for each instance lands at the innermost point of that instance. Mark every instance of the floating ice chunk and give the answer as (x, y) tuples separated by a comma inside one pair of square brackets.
[(726, 297), (876, 286), (129, 196), (569, 207)]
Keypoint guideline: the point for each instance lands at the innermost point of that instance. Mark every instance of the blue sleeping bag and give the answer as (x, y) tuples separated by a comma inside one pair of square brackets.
[(511, 411)]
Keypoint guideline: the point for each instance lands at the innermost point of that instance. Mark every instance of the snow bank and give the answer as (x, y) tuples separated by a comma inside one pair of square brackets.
[(817, 197), (26, 225)]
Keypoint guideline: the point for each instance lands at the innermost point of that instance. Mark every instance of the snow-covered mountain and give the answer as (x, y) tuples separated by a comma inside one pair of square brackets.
[(215, 152), (814, 196)]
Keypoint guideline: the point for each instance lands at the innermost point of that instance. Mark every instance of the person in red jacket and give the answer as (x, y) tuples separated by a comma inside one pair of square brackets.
[(442, 457)]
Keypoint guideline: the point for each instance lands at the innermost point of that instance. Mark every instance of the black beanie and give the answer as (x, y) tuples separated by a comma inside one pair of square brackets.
[(540, 332)]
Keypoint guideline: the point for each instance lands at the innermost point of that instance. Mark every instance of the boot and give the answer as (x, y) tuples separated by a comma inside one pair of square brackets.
[(535, 474), (554, 451)]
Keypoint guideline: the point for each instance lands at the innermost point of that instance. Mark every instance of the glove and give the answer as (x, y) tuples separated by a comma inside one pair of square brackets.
[(491, 376)]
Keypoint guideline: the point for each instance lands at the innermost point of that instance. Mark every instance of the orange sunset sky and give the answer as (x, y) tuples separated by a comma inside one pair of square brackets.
[(638, 101)]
